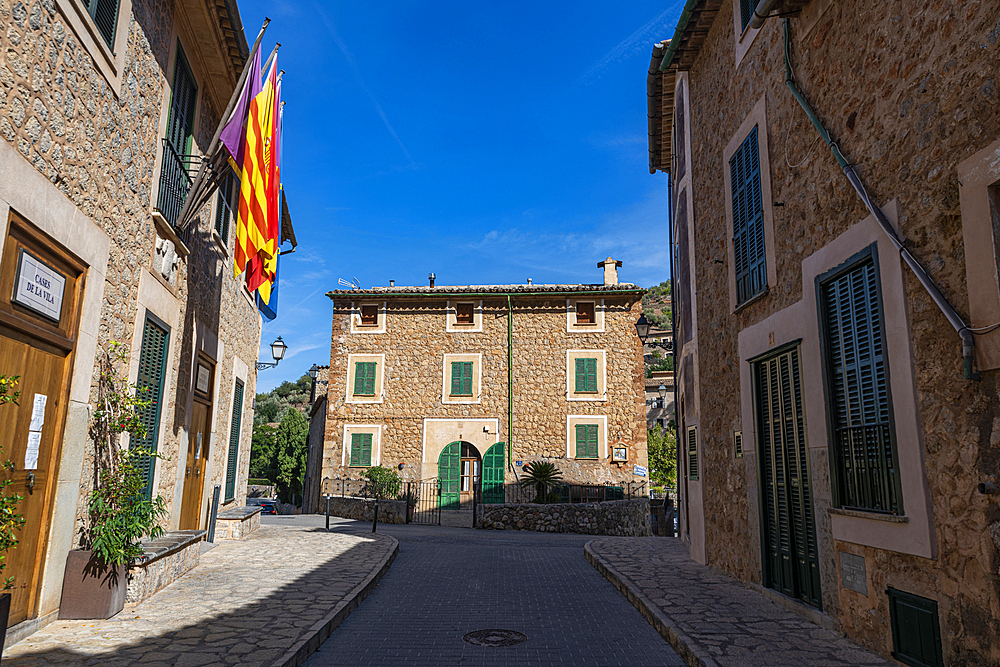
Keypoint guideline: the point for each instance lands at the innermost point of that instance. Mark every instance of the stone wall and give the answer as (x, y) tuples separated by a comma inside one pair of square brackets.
[(905, 110), (625, 518), (167, 559), (236, 523), (389, 511), (415, 342)]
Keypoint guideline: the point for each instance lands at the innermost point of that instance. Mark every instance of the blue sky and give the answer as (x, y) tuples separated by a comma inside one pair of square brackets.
[(486, 142)]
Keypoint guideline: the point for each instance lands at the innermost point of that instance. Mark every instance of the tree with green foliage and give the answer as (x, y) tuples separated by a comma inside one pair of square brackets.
[(661, 447), (266, 409), (262, 452), (290, 447)]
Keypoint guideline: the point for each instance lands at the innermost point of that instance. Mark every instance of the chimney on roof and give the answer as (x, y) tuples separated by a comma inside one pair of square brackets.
[(392, 283), (431, 277), (610, 267)]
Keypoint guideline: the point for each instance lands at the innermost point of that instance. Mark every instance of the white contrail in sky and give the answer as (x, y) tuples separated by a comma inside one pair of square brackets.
[(361, 82), (640, 41)]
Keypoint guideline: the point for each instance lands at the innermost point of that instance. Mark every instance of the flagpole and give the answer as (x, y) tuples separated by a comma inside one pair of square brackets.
[(186, 209)]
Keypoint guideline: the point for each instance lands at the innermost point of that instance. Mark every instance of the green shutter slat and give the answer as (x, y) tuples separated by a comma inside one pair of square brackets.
[(149, 383), (366, 449), (467, 378), (586, 441), (355, 459), (364, 378), (234, 441), (180, 123), (693, 454), (223, 207), (746, 12), (105, 15), (461, 378), (448, 476), (590, 368), (493, 474), (581, 375)]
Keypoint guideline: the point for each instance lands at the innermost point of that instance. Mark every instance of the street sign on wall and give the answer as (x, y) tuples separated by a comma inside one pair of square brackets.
[(38, 286)]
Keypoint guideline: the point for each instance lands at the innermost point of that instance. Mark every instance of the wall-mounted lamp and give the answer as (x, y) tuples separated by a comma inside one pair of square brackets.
[(278, 348)]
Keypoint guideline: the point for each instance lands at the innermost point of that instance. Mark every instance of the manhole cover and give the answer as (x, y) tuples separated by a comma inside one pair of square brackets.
[(495, 638)]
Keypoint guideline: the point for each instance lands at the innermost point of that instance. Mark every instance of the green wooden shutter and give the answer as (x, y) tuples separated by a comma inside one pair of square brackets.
[(448, 476), (105, 15), (234, 441), (461, 378), (183, 97), (149, 383), (586, 375), (223, 207), (693, 454), (748, 220), (361, 449), (586, 441), (355, 458), (364, 378), (866, 471), (493, 474), (916, 630)]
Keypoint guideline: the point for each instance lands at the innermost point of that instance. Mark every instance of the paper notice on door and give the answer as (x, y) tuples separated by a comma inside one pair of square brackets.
[(31, 453), (38, 413)]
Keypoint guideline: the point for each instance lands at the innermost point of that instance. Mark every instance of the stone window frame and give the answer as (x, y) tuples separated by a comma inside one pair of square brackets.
[(477, 378), (979, 198), (596, 327), (109, 62), (358, 328), (451, 315), (349, 429), (349, 395), (744, 38), (602, 435), (601, 394), (913, 533), (757, 117)]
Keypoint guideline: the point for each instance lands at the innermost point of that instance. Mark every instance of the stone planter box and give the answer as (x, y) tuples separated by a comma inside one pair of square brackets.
[(167, 559), (626, 518), (236, 523)]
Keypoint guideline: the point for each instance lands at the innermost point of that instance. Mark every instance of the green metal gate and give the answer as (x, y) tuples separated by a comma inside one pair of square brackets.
[(448, 475), (791, 562)]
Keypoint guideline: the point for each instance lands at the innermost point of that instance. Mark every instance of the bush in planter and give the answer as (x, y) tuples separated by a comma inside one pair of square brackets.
[(381, 483), (119, 514)]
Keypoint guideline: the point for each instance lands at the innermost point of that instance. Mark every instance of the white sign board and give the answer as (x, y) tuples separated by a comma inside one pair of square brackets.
[(640, 471), (39, 286)]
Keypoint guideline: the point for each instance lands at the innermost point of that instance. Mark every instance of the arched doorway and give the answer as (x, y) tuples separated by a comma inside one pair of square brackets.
[(458, 470)]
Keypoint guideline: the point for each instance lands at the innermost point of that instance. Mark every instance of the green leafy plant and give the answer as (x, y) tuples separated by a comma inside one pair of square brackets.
[(409, 497), (381, 483), (120, 514), (542, 475), (10, 520), (661, 447)]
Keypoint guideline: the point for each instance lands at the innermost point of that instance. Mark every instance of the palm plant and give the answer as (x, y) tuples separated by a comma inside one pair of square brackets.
[(542, 475)]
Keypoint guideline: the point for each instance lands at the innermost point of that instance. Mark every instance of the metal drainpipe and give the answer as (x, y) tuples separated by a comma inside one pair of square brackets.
[(968, 344), (510, 386)]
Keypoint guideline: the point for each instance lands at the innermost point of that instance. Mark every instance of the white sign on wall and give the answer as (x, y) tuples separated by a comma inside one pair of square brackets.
[(39, 286)]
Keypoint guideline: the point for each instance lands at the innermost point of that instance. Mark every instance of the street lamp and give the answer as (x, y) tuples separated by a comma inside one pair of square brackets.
[(642, 330), (313, 373), (662, 391), (278, 348)]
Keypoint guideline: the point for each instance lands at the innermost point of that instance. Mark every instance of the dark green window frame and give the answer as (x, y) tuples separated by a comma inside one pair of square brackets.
[(693, 472), (361, 450), (105, 15), (234, 440), (586, 441), (748, 220), (461, 378), (153, 357), (864, 466), (364, 378), (586, 375)]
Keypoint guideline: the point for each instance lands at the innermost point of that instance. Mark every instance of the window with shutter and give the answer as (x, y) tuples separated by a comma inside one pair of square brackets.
[(585, 312), (867, 476), (693, 454), (746, 12), (461, 378), (234, 440), (364, 378), (916, 630), (586, 375), (748, 220), (183, 98), (361, 450), (586, 441), (149, 383), (369, 315), (105, 15), (223, 207), (465, 313)]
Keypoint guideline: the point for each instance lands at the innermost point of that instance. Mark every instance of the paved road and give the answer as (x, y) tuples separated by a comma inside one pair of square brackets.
[(447, 582)]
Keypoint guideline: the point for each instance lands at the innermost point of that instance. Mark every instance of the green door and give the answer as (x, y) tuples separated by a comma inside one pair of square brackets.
[(448, 475), (493, 472)]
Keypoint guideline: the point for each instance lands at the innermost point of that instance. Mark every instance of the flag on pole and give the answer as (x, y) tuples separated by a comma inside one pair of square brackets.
[(253, 229), (232, 135), (269, 254), (269, 308)]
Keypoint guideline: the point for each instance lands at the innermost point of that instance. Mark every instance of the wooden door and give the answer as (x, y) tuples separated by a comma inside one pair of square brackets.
[(791, 560), (194, 471), (38, 345)]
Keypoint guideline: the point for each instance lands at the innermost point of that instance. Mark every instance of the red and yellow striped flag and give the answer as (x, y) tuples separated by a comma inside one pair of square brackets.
[(258, 177)]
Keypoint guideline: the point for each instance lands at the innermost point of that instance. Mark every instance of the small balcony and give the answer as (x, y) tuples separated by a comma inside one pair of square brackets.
[(175, 184)]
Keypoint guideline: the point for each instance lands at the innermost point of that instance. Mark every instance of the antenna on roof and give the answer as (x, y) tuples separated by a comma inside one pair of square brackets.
[(354, 285)]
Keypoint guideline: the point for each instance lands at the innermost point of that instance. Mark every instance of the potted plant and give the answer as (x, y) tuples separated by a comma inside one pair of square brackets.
[(10, 520), (119, 515)]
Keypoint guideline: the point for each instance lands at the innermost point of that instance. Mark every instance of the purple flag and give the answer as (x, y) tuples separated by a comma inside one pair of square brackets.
[(234, 133)]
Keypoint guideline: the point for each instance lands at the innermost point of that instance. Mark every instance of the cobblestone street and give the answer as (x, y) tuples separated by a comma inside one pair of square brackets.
[(712, 619), (447, 582), (251, 602)]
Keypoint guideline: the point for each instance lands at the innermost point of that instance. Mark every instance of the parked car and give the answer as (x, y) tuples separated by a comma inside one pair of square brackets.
[(268, 508)]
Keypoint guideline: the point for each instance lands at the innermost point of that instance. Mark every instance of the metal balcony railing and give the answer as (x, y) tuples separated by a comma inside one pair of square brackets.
[(175, 182)]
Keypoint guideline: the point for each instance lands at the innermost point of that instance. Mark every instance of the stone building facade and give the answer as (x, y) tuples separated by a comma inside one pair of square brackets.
[(87, 110), (480, 380), (833, 446)]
